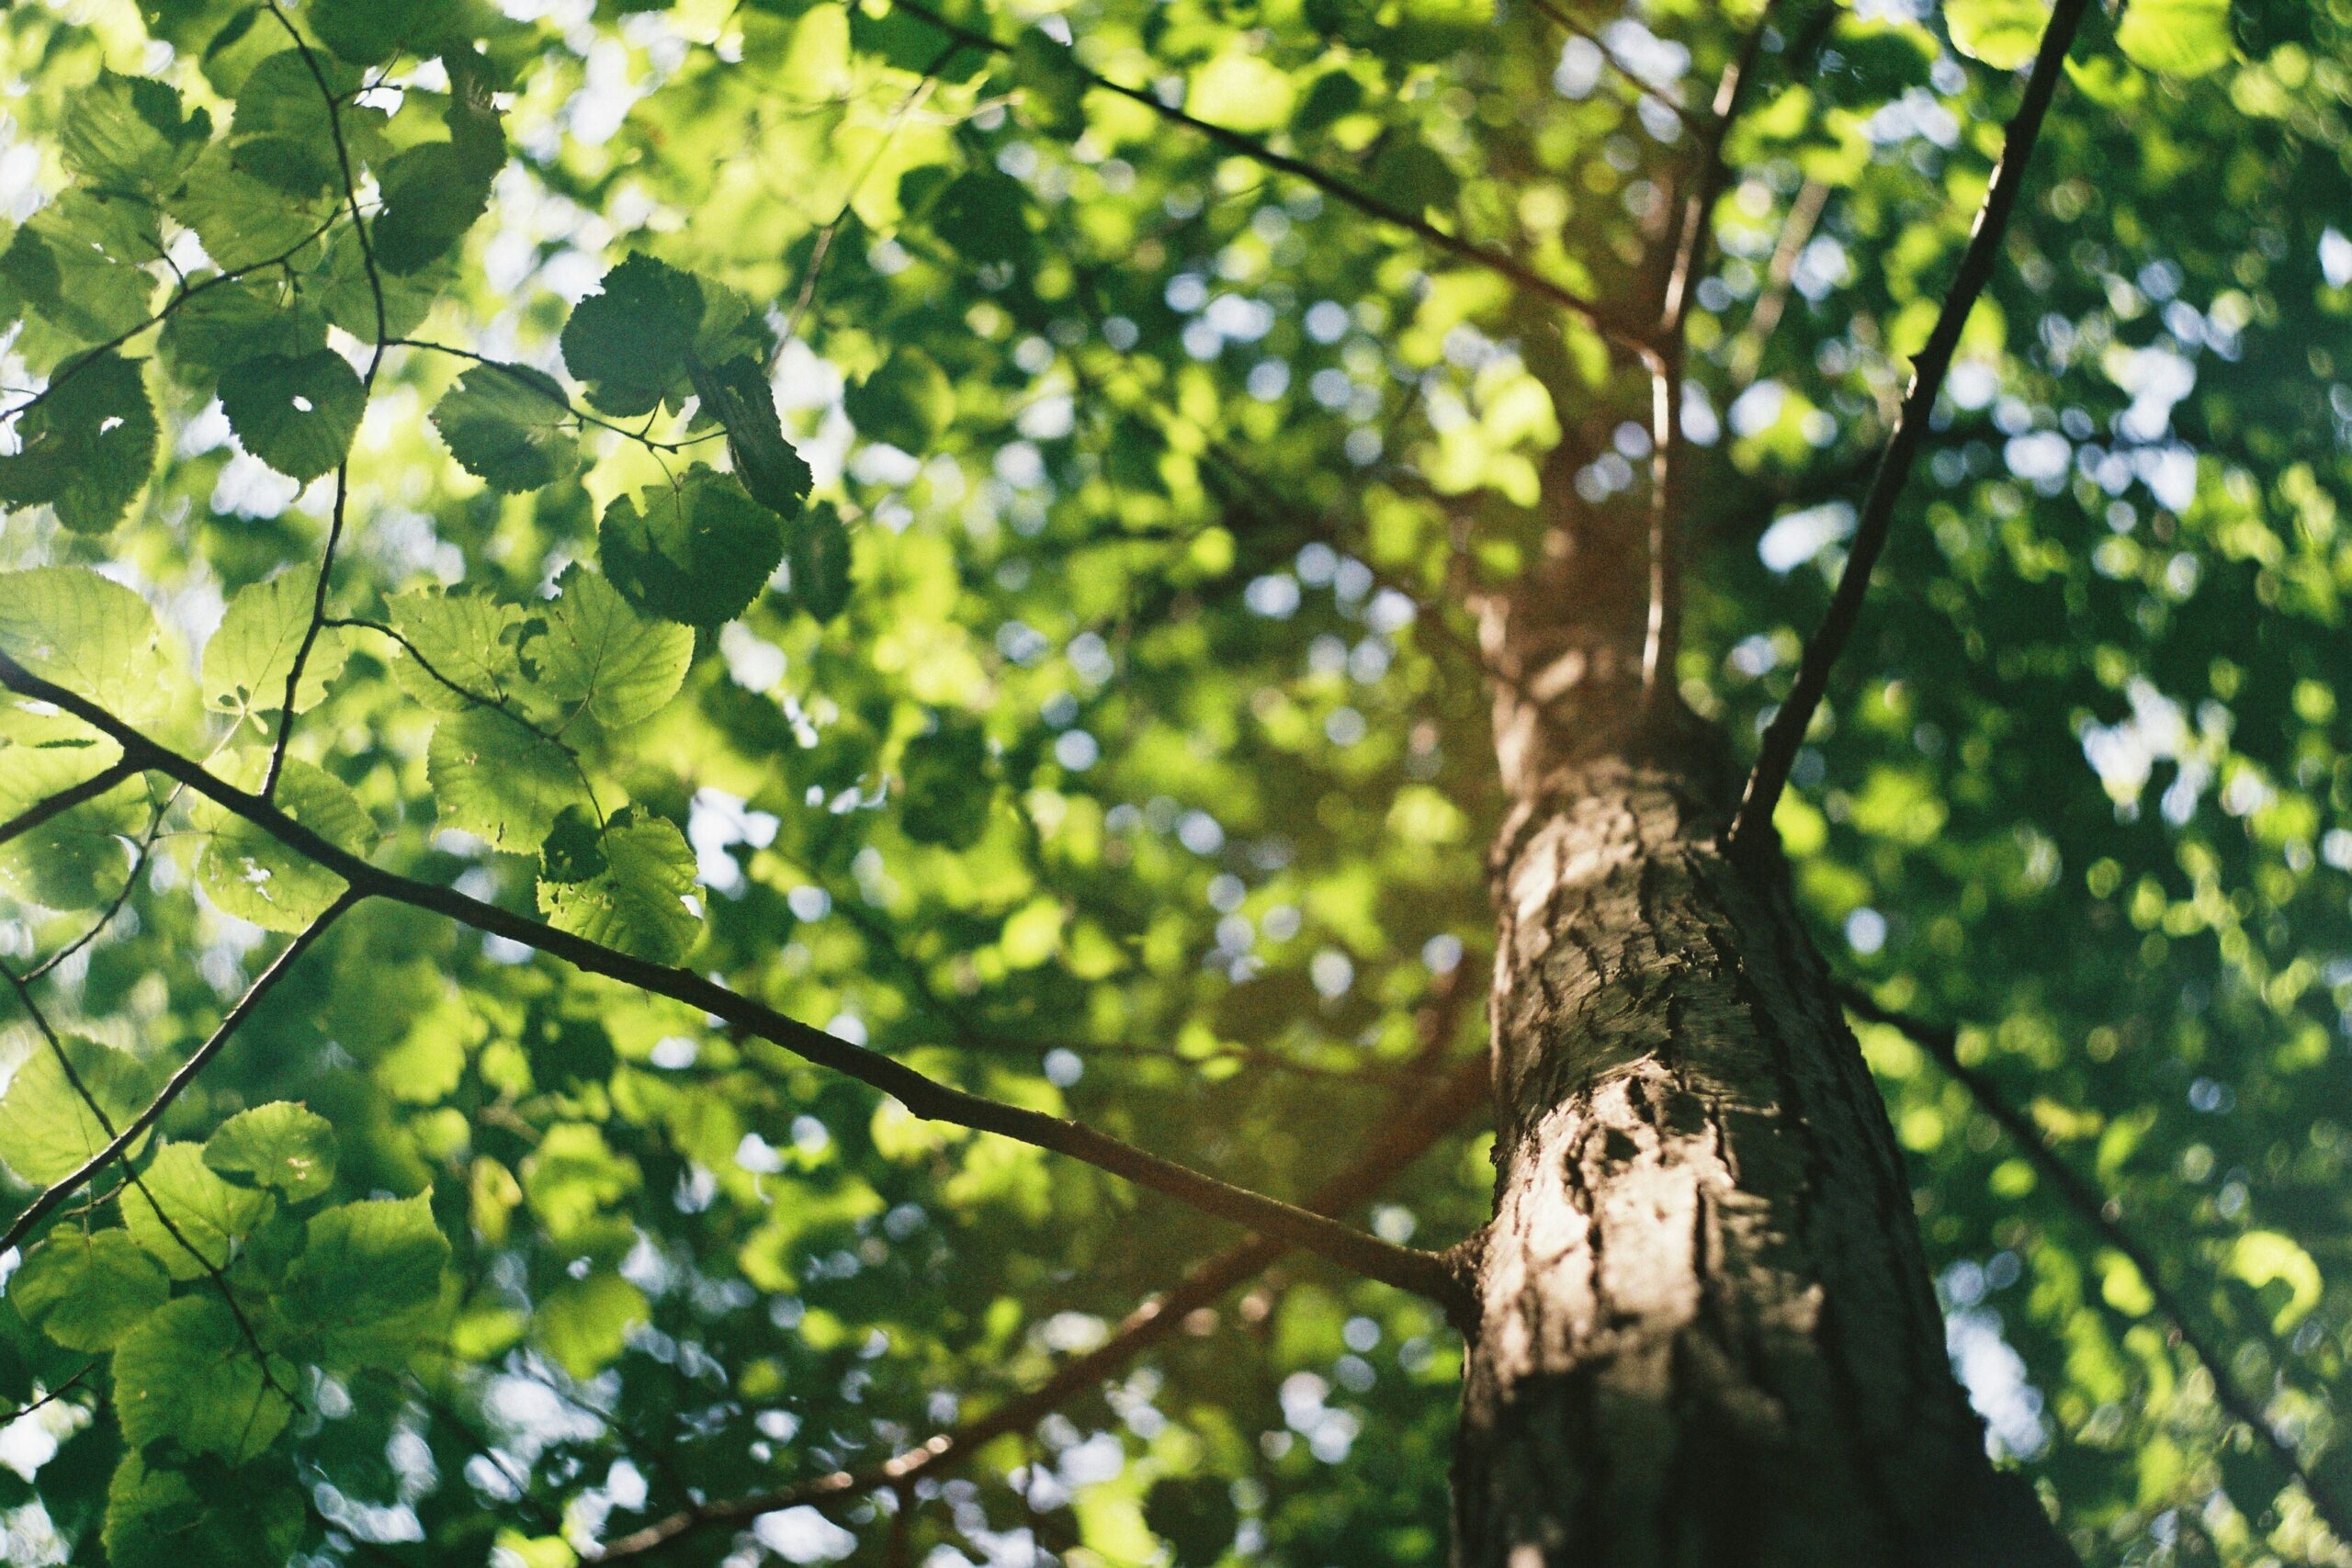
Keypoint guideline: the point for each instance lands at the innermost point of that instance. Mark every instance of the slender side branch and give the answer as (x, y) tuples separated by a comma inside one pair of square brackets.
[(1662, 641), (1786, 732), (367, 386), (1497, 262), (1407, 1269), (1426, 1121), (2079, 1195), (264, 983), (132, 1178), (65, 800), (1642, 86)]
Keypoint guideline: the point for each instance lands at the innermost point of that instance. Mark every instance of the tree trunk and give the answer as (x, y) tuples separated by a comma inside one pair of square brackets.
[(1706, 1334)]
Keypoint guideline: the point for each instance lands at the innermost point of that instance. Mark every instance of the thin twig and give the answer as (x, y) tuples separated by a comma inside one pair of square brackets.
[(52, 1396), (1497, 262), (1943, 1045), (1422, 1121), (1559, 18), (1785, 734), (572, 409), (367, 387), (1662, 638)]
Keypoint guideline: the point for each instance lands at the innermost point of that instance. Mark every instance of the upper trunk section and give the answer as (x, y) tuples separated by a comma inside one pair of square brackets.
[(1706, 1334)]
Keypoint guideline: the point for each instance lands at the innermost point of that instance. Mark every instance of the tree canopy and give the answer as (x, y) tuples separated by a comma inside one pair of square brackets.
[(589, 584)]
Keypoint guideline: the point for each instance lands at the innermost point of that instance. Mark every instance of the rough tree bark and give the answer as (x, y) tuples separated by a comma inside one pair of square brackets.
[(1705, 1334)]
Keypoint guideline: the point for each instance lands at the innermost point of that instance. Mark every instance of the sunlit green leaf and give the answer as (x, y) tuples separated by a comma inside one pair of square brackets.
[(284, 1146), (86, 1288), (55, 1114), (186, 1216), (253, 876), (698, 551), (494, 777), (636, 901), (188, 1373), (510, 426)]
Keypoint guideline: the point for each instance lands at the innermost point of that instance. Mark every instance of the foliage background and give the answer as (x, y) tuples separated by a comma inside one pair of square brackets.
[(1137, 769)]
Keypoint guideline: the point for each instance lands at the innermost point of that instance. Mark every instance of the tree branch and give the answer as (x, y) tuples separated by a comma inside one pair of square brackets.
[(1497, 262), (367, 386), (1643, 89), (1426, 1120), (1407, 1269), (264, 983), (132, 1178), (65, 800), (1943, 1045), (1786, 733)]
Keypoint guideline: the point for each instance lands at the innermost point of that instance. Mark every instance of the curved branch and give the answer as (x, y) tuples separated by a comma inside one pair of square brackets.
[(2079, 1195), (1499, 262), (1428, 1119), (1407, 1269), (1786, 733)]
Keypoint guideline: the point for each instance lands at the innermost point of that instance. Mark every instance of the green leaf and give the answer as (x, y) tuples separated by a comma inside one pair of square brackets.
[(983, 215), (736, 395), (1195, 1515), (220, 325), (127, 133), (342, 288), (433, 195), (469, 639), (574, 850), (905, 403), (249, 873), (87, 633), (948, 791), (47, 1129), (369, 32), (186, 1373), (88, 447), (583, 1323), (1241, 90), (510, 426), (367, 1282), (598, 655), (635, 904), (628, 344), (251, 652), (2003, 34), (79, 266), (245, 222), (84, 1289), (296, 413), (2177, 37), (282, 1146), (494, 778), (697, 552), (1053, 84), (820, 554), (162, 1516), (208, 1215), (281, 134)]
